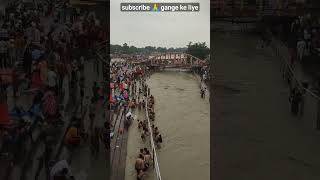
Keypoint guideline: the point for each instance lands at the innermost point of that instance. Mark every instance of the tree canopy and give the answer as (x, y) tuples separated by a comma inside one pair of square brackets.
[(199, 50), (126, 49)]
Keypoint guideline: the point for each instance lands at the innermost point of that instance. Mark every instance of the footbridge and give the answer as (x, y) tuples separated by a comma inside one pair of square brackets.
[(176, 60)]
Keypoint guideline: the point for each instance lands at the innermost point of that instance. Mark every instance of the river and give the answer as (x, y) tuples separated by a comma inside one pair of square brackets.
[(184, 122)]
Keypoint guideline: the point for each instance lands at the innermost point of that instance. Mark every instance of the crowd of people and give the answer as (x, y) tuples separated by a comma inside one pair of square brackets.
[(128, 89), (204, 80), (304, 37), (123, 77), (49, 46), (45, 46), (143, 162)]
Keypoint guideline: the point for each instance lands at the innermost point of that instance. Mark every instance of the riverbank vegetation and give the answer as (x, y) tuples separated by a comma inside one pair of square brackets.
[(199, 50)]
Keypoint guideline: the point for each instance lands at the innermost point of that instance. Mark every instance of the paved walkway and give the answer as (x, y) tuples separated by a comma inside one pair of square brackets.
[(118, 146), (83, 165), (254, 135), (135, 143)]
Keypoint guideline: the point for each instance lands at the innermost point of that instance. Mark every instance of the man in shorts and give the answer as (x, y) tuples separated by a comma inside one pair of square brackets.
[(139, 166)]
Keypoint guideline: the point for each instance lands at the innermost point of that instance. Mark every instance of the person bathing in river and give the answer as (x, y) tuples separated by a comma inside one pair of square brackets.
[(144, 133), (143, 136), (141, 152), (145, 151), (140, 124), (151, 100), (147, 159), (203, 92), (143, 103), (158, 140), (144, 126), (152, 115), (139, 165), (156, 131), (140, 175)]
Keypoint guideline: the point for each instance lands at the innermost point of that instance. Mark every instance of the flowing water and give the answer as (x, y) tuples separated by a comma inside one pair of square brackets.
[(184, 122)]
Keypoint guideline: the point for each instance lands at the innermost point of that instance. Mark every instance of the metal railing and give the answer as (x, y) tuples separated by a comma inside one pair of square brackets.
[(288, 68), (103, 48), (155, 157), (309, 107)]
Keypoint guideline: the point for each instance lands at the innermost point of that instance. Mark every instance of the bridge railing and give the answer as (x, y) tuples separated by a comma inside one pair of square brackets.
[(155, 157), (309, 109)]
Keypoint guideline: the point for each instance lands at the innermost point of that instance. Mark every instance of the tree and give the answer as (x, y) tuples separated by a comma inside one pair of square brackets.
[(171, 49), (125, 48), (133, 50), (115, 48), (199, 50)]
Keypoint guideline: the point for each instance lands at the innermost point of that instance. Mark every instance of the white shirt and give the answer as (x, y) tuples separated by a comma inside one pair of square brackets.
[(58, 167), (52, 78), (301, 44)]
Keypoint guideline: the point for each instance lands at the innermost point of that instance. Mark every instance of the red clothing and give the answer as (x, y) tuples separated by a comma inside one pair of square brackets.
[(50, 104), (36, 80), (4, 120), (122, 86)]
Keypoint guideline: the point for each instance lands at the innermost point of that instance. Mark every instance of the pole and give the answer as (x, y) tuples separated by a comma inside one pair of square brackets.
[(318, 117)]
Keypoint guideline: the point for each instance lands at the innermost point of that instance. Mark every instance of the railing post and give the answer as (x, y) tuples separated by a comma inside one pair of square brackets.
[(153, 158), (318, 116)]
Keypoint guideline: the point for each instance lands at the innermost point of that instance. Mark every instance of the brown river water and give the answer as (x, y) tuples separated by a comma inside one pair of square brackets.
[(183, 119)]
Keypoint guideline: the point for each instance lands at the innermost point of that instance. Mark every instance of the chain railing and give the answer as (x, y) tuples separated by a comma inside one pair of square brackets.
[(155, 157)]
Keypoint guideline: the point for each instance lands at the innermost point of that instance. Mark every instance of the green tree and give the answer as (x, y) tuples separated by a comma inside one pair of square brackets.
[(125, 48), (114, 49), (199, 50), (171, 49)]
